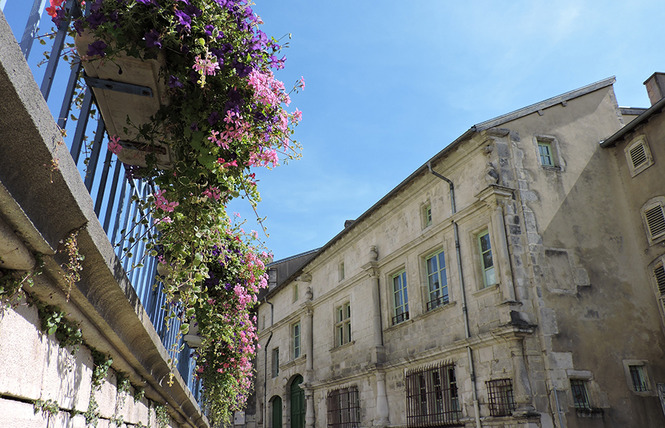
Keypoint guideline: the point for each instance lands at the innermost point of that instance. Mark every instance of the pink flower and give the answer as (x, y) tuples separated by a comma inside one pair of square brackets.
[(114, 145), (162, 203), (297, 116), (301, 82)]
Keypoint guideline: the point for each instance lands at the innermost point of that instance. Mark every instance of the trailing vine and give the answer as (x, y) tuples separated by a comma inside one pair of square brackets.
[(11, 281), (73, 267), (162, 415), (47, 407), (54, 321)]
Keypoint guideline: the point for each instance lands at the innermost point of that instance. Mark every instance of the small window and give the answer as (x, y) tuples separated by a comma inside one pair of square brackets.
[(295, 331), (548, 151), (275, 362), (639, 378), (437, 280), (340, 271), (486, 259), (545, 153), (343, 324), (426, 214), (343, 408), (653, 214), (296, 294), (580, 395), (500, 397), (400, 298), (638, 155)]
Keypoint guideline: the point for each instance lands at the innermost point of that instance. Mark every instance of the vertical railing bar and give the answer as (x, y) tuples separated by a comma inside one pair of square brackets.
[(69, 95), (114, 189), (131, 215), (77, 143), (102, 184), (91, 168), (31, 27), (124, 206), (54, 58), (121, 207)]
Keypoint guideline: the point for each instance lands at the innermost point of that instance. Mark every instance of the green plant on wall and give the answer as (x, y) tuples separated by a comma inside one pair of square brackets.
[(54, 321), (47, 407), (162, 415)]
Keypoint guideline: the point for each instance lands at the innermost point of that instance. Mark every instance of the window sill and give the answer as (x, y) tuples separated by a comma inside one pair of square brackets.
[(551, 168), (486, 290), (346, 345), (292, 363), (593, 412), (448, 305)]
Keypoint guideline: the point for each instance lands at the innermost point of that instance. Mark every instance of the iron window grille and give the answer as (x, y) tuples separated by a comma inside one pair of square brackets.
[(500, 397), (639, 378), (344, 408), (437, 280), (432, 399), (580, 395)]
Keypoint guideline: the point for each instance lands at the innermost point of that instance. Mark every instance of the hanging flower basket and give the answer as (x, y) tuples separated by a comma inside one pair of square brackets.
[(129, 92)]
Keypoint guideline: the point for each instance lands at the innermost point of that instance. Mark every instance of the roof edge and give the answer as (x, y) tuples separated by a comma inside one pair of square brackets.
[(614, 138)]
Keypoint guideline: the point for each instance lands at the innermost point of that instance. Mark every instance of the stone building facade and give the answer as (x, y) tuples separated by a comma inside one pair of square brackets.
[(514, 280)]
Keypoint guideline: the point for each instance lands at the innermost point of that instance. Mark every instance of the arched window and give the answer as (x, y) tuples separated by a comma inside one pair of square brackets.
[(297, 403)]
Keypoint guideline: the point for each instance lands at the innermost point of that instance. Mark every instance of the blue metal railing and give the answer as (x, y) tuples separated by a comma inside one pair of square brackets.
[(112, 189)]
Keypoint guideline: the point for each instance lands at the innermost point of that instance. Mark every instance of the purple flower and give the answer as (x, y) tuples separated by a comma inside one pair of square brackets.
[(152, 39), (96, 19), (96, 48), (209, 29), (213, 118), (184, 20), (192, 10), (146, 1), (175, 83)]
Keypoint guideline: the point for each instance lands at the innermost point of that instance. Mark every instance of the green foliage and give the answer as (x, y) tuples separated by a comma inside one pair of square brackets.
[(54, 321), (11, 281), (92, 414), (102, 364), (47, 407), (162, 415), (139, 393)]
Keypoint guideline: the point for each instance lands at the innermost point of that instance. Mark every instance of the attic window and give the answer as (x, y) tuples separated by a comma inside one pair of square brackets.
[(638, 156), (653, 214)]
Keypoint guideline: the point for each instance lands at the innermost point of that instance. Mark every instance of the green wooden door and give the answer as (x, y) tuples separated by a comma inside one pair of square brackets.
[(276, 413), (297, 404)]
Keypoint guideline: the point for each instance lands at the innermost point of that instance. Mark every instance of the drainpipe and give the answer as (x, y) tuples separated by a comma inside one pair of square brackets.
[(465, 309), (265, 367)]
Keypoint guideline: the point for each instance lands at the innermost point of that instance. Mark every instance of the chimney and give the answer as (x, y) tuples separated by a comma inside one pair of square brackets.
[(655, 87)]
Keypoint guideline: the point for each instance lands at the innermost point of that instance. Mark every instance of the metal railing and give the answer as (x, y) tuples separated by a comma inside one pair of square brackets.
[(112, 188)]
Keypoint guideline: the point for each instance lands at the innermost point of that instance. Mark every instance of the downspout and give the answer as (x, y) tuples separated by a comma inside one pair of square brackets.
[(465, 309), (265, 367)]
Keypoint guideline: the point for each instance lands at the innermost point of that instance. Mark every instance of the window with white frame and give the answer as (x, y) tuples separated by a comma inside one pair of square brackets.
[(400, 298), (638, 155), (653, 215), (295, 338), (437, 280), (486, 258), (343, 324)]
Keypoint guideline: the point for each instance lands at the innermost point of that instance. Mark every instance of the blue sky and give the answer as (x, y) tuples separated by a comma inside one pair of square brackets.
[(391, 83)]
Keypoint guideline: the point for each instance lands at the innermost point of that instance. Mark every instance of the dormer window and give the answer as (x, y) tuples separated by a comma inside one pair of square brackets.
[(638, 155)]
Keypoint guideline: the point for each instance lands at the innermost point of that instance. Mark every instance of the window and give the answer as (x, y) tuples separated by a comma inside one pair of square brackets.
[(639, 378), (548, 151), (275, 362), (344, 408), (296, 293), (653, 214), (638, 155), (486, 260), (426, 213), (545, 153), (580, 395), (343, 324), (340, 271), (659, 274), (500, 397), (295, 331), (400, 298), (431, 396), (437, 282)]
